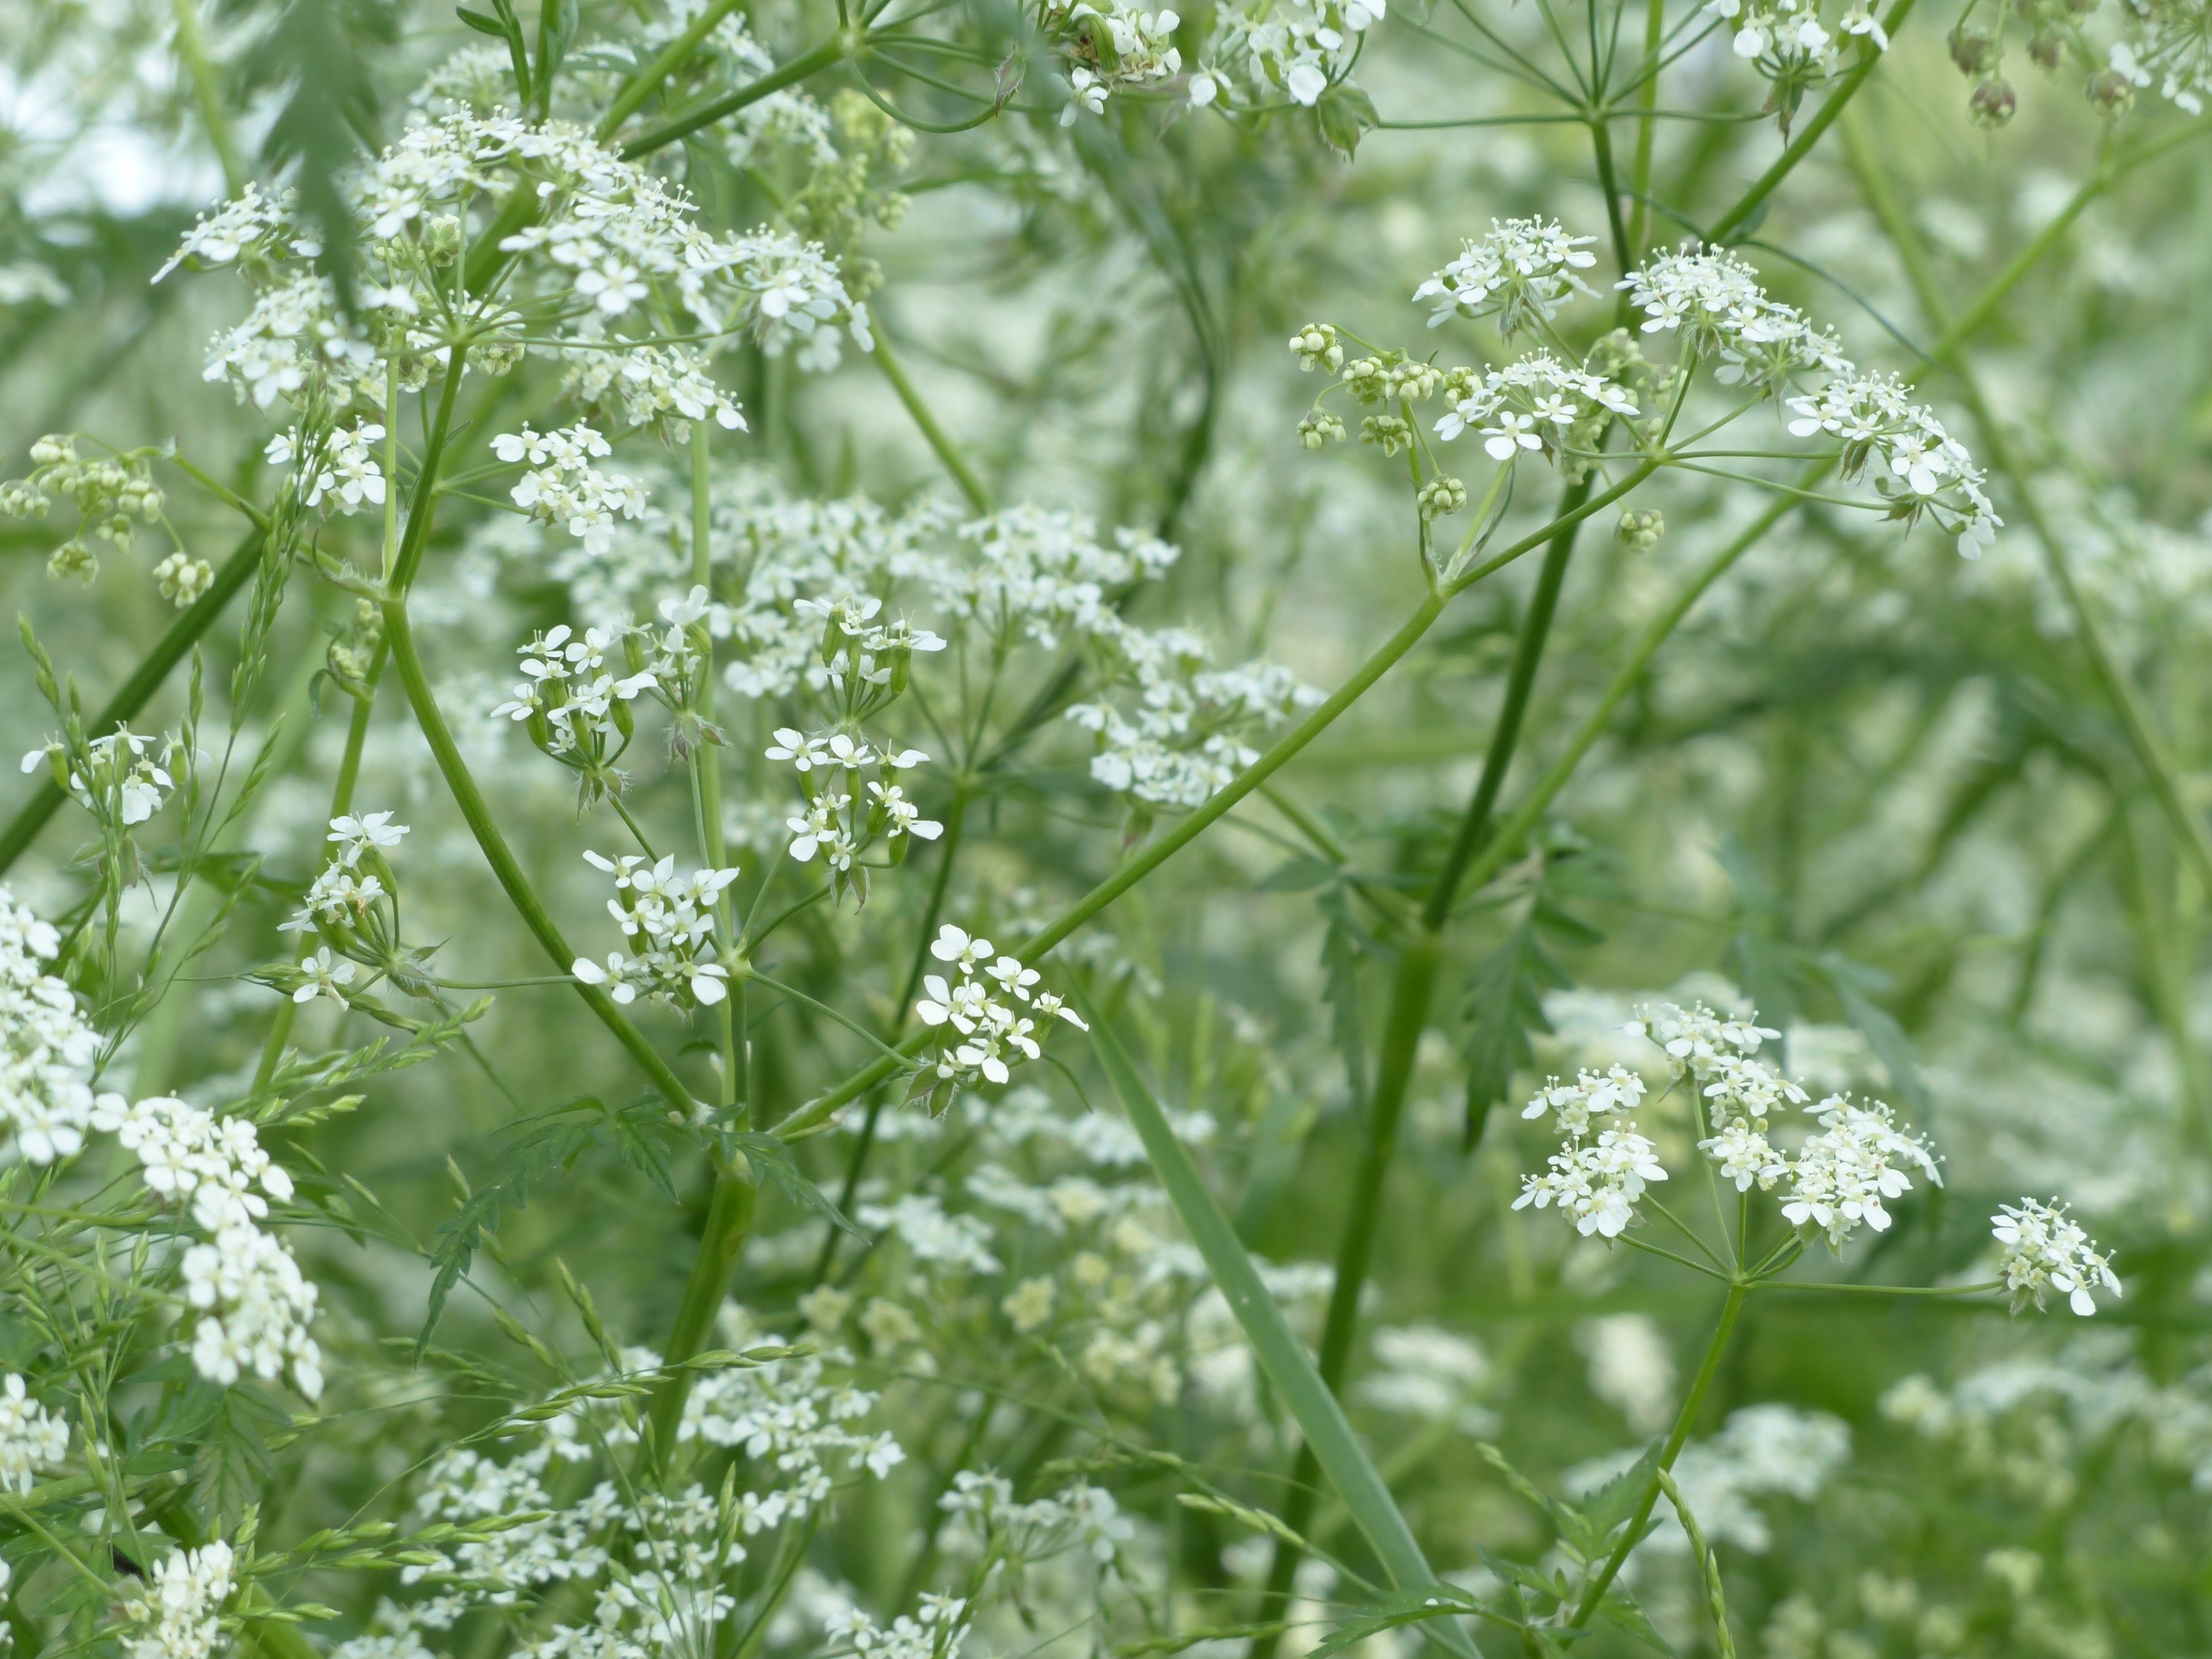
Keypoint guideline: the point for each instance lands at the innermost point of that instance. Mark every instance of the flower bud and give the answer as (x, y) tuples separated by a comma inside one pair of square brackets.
[(1970, 49), (2110, 93), (1641, 528), (1992, 103), (2045, 48)]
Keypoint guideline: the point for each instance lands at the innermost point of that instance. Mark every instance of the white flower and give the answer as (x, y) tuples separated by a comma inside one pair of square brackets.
[(324, 976), (2042, 1246), (31, 1438), (353, 835)]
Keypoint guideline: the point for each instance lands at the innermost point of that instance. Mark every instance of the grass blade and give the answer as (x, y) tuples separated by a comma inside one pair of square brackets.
[(1281, 1356)]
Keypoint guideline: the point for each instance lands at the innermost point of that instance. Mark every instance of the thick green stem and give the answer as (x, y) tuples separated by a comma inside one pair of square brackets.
[(947, 450), (1411, 991), (1687, 1420), (1809, 134), (132, 695), (729, 1223), (1647, 100)]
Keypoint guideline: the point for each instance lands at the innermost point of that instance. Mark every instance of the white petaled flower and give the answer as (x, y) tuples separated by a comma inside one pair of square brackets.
[(338, 471), (126, 776), (177, 1612), (1844, 1172), (668, 921), (324, 977), (32, 1438), (255, 1302), (1523, 268), (2045, 1247), (351, 835), (988, 1033), (1596, 1184), (46, 1045), (563, 487)]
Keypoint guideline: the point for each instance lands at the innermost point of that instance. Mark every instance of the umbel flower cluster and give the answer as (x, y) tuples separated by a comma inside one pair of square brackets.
[(560, 245), (112, 495), (1255, 55), (982, 1016), (668, 919), (1842, 1174), (1550, 402), (253, 1304), (122, 777)]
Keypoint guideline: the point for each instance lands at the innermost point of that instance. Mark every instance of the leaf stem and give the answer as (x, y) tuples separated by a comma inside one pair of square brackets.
[(972, 487)]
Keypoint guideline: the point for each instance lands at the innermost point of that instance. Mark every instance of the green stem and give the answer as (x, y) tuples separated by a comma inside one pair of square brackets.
[(729, 1223), (1501, 846), (134, 693), (664, 63), (947, 450), (830, 51), (191, 47), (1411, 990), (1832, 106), (819, 1110), (1647, 100), (707, 757), (469, 798), (1683, 1424)]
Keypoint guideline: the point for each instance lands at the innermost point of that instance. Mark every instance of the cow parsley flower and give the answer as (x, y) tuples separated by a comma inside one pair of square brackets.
[(336, 471), (1844, 1172), (124, 778), (46, 1047), (563, 487), (1596, 1184), (668, 920), (1524, 268), (177, 1613), (32, 1438), (2044, 1246), (983, 1031)]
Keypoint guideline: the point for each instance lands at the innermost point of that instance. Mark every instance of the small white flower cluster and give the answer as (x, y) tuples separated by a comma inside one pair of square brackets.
[(177, 1613), (1840, 1177), (2170, 46), (125, 778), (1078, 1516), (1430, 1374), (933, 1630), (1523, 268), (606, 242), (182, 579), (1858, 1158), (564, 487), (669, 919), (958, 1244), (1533, 403), (31, 1438), (666, 385), (338, 471), (1040, 571), (575, 706), (978, 1020), (1260, 54), (1117, 46), (46, 1048), (342, 896), (1790, 45), (255, 1302), (1184, 737), (1595, 1181), (1715, 302), (2043, 1248)]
